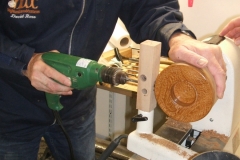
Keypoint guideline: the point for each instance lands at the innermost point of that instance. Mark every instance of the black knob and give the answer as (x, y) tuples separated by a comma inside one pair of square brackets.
[(139, 118)]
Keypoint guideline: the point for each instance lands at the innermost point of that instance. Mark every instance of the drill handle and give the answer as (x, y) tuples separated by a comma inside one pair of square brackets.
[(53, 101)]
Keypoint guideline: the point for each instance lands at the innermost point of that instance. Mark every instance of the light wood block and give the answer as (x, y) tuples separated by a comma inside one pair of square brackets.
[(150, 52)]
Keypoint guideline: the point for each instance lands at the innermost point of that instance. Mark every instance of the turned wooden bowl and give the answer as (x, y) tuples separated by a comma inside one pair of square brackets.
[(185, 93)]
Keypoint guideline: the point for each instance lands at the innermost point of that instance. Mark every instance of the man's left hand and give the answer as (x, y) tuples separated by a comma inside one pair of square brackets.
[(185, 49)]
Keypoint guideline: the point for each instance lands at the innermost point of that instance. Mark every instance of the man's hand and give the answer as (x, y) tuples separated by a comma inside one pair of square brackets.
[(232, 30), (186, 49), (42, 77)]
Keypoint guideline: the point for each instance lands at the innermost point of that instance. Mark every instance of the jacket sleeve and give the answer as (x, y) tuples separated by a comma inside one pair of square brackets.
[(13, 56), (153, 20)]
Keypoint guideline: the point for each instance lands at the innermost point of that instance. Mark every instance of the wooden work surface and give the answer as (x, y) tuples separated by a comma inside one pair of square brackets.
[(129, 88)]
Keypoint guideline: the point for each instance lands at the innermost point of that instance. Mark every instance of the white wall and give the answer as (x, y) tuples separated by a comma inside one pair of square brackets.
[(208, 17)]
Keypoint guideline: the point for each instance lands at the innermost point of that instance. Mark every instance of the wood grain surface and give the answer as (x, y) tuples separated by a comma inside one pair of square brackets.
[(184, 92)]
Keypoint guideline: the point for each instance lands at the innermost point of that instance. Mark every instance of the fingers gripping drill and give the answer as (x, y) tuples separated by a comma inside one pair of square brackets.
[(82, 72)]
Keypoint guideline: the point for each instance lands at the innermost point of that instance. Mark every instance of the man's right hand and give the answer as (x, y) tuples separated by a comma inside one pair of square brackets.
[(232, 30), (44, 77)]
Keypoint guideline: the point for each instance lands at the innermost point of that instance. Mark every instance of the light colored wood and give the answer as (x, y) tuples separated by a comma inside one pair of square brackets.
[(150, 52), (126, 89)]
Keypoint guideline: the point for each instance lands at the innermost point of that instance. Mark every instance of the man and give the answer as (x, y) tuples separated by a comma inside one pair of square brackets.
[(81, 28)]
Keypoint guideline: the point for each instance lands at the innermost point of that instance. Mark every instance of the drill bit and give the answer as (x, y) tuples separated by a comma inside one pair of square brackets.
[(134, 75), (131, 80)]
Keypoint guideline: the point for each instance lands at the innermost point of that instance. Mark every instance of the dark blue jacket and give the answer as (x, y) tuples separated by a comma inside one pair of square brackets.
[(77, 27)]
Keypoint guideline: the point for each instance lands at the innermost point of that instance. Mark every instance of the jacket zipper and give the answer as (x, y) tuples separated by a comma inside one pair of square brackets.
[(54, 121), (71, 36)]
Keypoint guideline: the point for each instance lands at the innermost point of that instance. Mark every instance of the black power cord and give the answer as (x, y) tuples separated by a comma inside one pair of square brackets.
[(113, 145), (59, 121)]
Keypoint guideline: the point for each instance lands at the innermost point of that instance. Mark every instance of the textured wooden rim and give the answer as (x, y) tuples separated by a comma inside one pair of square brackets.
[(184, 92)]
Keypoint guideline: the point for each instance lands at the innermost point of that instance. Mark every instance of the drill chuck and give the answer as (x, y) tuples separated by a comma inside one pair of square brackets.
[(114, 76)]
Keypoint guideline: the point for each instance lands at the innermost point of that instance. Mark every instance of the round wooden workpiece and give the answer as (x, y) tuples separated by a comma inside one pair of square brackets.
[(185, 93)]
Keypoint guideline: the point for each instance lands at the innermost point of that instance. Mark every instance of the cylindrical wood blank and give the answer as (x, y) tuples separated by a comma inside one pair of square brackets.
[(185, 93)]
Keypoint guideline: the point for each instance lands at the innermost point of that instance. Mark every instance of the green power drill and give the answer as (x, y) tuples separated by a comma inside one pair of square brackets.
[(83, 73)]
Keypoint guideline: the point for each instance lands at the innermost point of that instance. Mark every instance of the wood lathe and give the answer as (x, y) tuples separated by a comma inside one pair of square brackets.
[(199, 126)]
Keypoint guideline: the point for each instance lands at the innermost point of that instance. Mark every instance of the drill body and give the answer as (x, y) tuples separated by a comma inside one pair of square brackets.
[(82, 72)]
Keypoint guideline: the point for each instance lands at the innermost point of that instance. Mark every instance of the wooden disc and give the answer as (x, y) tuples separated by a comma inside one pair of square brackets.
[(185, 93)]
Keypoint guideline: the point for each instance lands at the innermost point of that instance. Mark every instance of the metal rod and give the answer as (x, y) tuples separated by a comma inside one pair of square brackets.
[(121, 152)]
